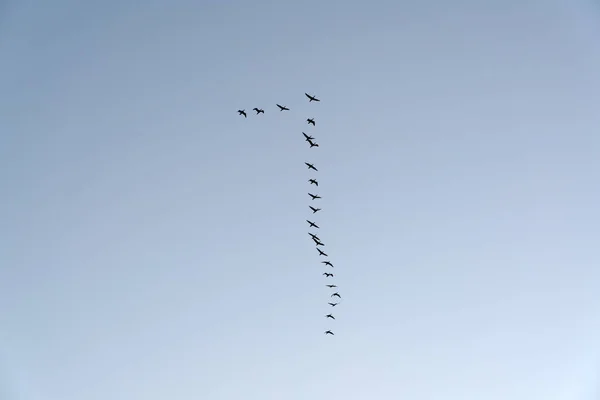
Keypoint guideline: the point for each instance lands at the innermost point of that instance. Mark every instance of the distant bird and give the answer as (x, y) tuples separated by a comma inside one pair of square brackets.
[(321, 253), (311, 98), (308, 138), (242, 112), (312, 224), (311, 121), (313, 144), (330, 286), (314, 196), (282, 108), (312, 235), (336, 294), (327, 263), (329, 316), (310, 166), (258, 110), (333, 304), (314, 210), (313, 182), (327, 275), (329, 333), (319, 243)]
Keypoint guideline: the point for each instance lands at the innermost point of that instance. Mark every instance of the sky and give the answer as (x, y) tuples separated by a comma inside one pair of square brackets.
[(153, 243)]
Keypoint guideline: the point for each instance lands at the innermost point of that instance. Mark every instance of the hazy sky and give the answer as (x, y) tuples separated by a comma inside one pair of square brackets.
[(153, 243)]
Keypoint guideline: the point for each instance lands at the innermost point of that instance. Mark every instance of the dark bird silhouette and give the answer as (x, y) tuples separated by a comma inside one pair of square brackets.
[(311, 98), (310, 166), (312, 224), (333, 304), (336, 294), (311, 121), (318, 243), (313, 144), (327, 275), (258, 110), (308, 138), (327, 263), (330, 286), (242, 112), (329, 333), (313, 182), (312, 235), (329, 316), (321, 253), (314, 210), (283, 108), (314, 196)]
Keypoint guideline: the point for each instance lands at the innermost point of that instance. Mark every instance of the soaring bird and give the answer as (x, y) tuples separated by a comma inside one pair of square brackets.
[(336, 294), (311, 98), (310, 121), (314, 196), (327, 275), (329, 333), (329, 316), (313, 182), (258, 110), (314, 210), (333, 304), (330, 286), (310, 166), (312, 224), (308, 138), (313, 236), (321, 253), (327, 263), (242, 112), (313, 144), (282, 108)]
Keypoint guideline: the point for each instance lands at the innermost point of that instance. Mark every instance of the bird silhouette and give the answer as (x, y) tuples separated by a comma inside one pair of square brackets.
[(242, 112), (333, 304), (329, 333), (312, 224), (329, 316), (336, 294), (327, 263), (311, 121), (313, 182), (327, 274), (258, 110)]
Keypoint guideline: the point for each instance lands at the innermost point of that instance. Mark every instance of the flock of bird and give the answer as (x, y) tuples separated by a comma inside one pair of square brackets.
[(335, 297)]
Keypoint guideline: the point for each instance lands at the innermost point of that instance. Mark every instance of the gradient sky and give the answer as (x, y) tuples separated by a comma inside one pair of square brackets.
[(153, 243)]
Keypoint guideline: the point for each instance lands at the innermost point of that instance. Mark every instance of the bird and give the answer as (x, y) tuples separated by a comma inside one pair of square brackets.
[(327, 275), (308, 138), (314, 209), (258, 110), (242, 112), (336, 294), (331, 286), (312, 224), (329, 333), (313, 182), (321, 253), (318, 243), (327, 263), (314, 196), (329, 316), (313, 144), (282, 108), (311, 121), (310, 166), (333, 304), (312, 235), (311, 98)]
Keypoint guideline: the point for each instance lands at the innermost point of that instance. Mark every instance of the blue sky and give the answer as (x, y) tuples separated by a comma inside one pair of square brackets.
[(153, 243)]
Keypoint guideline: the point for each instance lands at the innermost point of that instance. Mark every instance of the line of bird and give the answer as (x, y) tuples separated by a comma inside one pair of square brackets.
[(312, 181)]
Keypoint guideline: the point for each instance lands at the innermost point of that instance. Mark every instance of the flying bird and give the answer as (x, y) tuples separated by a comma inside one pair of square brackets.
[(282, 108), (310, 166), (311, 98), (330, 286), (319, 243), (321, 253), (312, 235), (327, 275), (336, 294), (314, 196), (308, 138), (327, 263), (314, 210), (242, 112), (329, 316), (310, 121), (329, 333), (313, 182), (333, 304), (313, 144), (258, 110), (312, 224)]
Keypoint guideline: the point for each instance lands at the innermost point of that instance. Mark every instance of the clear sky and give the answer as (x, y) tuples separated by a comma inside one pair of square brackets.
[(153, 243)]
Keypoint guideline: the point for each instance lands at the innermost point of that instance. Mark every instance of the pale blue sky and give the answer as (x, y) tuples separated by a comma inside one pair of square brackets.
[(153, 243)]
